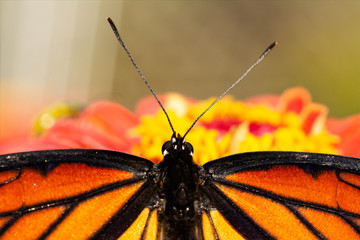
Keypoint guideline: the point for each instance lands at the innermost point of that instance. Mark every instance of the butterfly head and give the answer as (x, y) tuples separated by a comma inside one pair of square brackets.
[(177, 144)]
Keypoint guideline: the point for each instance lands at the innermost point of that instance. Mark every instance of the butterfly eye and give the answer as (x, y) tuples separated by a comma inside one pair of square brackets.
[(189, 147), (165, 148)]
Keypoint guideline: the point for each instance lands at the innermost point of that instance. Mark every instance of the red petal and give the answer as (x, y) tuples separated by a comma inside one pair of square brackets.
[(294, 100), (81, 134), (102, 125), (112, 116), (344, 127), (349, 131), (314, 117)]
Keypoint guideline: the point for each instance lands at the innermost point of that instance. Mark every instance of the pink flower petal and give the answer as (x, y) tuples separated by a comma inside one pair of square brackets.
[(27, 144)]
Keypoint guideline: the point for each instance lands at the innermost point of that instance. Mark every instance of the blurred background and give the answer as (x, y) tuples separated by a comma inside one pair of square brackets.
[(65, 50)]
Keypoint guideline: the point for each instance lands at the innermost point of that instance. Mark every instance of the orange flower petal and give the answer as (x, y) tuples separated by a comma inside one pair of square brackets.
[(350, 145), (344, 127), (294, 100), (269, 100), (349, 131)]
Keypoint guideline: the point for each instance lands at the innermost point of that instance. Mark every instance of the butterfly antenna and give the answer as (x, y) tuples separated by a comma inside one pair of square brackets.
[(138, 70), (262, 56)]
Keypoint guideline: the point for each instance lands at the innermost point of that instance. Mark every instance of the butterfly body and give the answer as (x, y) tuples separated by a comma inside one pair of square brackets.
[(179, 191)]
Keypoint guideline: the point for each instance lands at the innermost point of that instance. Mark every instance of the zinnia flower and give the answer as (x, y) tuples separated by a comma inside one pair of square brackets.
[(289, 122)]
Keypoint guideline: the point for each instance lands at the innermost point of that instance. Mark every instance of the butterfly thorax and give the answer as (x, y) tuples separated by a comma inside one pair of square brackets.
[(179, 190)]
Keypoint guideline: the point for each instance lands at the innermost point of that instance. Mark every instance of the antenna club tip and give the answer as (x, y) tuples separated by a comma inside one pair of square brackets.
[(110, 20), (272, 45)]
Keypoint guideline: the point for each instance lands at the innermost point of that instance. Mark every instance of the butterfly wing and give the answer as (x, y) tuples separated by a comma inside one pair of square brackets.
[(282, 195), (73, 194)]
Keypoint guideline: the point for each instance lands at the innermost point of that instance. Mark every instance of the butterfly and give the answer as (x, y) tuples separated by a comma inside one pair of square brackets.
[(101, 194)]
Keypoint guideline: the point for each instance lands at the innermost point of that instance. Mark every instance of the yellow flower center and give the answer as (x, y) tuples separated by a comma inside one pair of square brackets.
[(230, 127)]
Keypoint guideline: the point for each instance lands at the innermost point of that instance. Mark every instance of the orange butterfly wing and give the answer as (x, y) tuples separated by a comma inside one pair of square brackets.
[(90, 194), (285, 196), (55, 199)]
